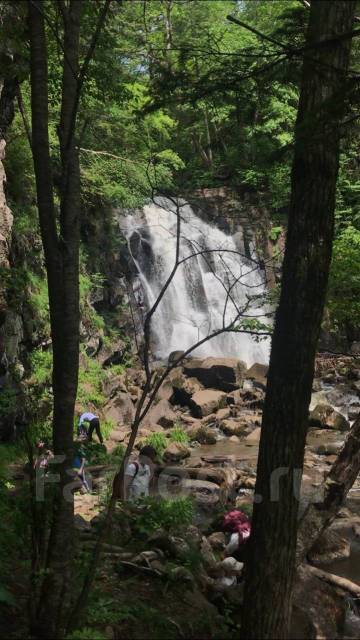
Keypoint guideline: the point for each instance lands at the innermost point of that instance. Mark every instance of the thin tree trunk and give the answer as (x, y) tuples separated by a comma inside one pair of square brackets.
[(271, 566), (319, 515), (61, 255)]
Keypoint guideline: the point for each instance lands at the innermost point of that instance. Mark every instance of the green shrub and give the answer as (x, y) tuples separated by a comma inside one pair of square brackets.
[(107, 427), (158, 441), (177, 434), (91, 376), (96, 453), (40, 300), (8, 400), (275, 233), (41, 366), (171, 515)]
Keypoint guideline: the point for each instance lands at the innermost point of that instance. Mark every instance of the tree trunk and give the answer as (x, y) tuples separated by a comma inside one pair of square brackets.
[(319, 515), (271, 567), (61, 256)]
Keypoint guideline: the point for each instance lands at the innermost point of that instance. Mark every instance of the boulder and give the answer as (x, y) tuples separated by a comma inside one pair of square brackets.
[(117, 357), (217, 541), (253, 437), (189, 420), (318, 609), (209, 420), (246, 481), (183, 389), (207, 554), (223, 414), (175, 355), (225, 374), (253, 399), (319, 415), (205, 402), (337, 421), (325, 416), (113, 384), (120, 409), (205, 493), (234, 398), (161, 413), (202, 434), (329, 547), (232, 427), (175, 452), (258, 374)]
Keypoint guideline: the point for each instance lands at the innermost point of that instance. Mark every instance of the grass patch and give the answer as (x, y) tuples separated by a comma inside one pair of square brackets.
[(178, 434), (158, 441)]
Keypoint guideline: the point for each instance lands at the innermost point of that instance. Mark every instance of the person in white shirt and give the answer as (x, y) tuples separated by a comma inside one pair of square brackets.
[(94, 423), (138, 474)]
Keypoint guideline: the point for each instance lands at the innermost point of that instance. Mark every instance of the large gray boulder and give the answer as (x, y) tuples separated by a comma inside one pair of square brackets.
[(202, 434), (175, 355), (258, 374), (323, 415), (175, 452), (253, 437), (233, 427), (318, 416), (184, 389), (161, 413), (120, 409), (206, 401), (225, 374)]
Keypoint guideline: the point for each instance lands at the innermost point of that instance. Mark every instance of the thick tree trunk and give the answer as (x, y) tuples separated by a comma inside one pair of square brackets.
[(319, 515), (61, 255), (271, 567)]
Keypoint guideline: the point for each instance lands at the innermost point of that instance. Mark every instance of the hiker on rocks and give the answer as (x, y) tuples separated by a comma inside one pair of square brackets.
[(42, 457), (78, 466), (239, 525), (138, 474), (94, 424)]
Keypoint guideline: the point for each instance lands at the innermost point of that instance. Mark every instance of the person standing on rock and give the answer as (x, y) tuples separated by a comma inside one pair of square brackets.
[(138, 474), (78, 466), (94, 424)]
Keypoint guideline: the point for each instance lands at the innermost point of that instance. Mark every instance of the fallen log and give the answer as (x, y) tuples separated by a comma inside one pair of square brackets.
[(336, 581), (341, 477)]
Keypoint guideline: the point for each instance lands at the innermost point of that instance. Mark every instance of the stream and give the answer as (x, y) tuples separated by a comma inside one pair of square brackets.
[(316, 466)]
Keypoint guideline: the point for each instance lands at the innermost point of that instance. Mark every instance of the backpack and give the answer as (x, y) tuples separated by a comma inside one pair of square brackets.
[(137, 467)]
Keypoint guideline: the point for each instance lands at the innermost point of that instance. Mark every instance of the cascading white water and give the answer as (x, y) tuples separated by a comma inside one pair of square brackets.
[(207, 291)]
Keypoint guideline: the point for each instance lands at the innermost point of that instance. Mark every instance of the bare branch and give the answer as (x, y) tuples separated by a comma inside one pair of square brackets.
[(110, 155)]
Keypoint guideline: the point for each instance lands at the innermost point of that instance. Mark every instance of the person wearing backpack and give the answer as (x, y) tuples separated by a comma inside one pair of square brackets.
[(138, 474)]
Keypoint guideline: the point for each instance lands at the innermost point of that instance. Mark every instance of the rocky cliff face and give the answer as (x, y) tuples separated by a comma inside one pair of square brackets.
[(247, 218), (6, 218), (11, 329)]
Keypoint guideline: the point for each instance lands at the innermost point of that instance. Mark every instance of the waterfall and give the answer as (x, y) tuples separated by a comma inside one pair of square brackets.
[(208, 289)]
